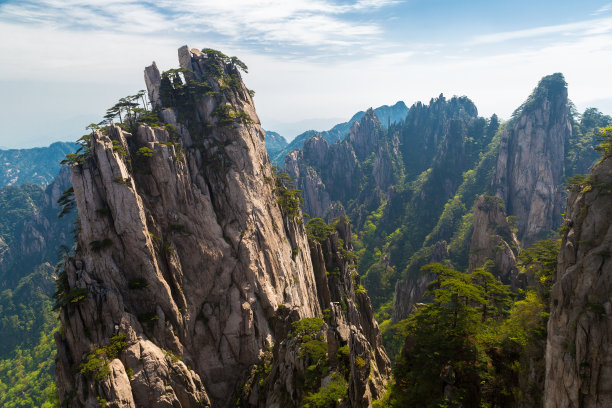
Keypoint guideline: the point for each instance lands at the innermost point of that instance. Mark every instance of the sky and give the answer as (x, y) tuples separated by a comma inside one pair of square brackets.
[(312, 63)]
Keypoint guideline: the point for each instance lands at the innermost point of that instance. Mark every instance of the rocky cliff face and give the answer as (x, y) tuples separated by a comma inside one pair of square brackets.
[(530, 168), (188, 262), (493, 240), (579, 345), (349, 334), (388, 115), (330, 176)]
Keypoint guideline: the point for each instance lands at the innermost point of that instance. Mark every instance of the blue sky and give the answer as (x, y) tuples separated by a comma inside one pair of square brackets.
[(312, 63)]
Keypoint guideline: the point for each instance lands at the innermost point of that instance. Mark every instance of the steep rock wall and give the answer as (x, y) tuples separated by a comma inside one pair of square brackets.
[(184, 254), (493, 240), (579, 344), (530, 168)]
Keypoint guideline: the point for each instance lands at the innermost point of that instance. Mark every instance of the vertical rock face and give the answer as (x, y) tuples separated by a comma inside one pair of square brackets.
[(349, 334), (330, 176), (530, 167), (493, 240), (364, 135), (579, 345), (184, 255)]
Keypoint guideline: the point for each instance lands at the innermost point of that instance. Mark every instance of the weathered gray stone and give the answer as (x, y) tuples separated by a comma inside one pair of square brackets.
[(579, 344), (190, 256)]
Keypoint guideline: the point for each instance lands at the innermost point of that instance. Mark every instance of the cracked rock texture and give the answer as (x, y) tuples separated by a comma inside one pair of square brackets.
[(329, 175), (530, 167), (493, 240), (579, 344), (187, 254)]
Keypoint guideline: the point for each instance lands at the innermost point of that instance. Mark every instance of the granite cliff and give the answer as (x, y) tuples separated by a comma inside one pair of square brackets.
[(530, 168), (193, 267), (529, 157), (579, 344), (331, 175), (493, 240)]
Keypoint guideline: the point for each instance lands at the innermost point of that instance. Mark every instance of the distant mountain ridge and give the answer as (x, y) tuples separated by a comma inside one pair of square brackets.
[(274, 143), (38, 165), (385, 113)]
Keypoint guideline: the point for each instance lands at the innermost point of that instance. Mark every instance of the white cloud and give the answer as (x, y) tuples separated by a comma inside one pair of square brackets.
[(309, 23), (94, 52), (603, 9), (588, 27)]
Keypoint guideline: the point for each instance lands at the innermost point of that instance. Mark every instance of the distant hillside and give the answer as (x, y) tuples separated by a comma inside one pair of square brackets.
[(38, 165), (386, 114), (275, 143)]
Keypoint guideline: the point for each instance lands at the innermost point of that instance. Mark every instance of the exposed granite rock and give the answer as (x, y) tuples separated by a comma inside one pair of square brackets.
[(187, 255), (494, 240), (330, 176), (579, 344), (364, 135), (153, 82), (387, 116), (530, 168), (308, 181), (349, 321)]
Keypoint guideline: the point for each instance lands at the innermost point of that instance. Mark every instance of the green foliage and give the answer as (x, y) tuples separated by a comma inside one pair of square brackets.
[(26, 375), (66, 201), (440, 346), (476, 338), (579, 181), (95, 365), (288, 197), (581, 153), (144, 152), (314, 350), (605, 146), (82, 153), (308, 326), (549, 87), (540, 262), (318, 230), (130, 113), (18, 204), (328, 396), (359, 362), (65, 295), (228, 115), (181, 89)]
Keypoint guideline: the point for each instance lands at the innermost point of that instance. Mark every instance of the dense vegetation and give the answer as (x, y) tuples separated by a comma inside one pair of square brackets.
[(30, 237), (477, 344)]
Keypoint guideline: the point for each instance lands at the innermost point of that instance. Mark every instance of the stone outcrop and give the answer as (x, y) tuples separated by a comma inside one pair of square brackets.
[(579, 344), (349, 332), (364, 135), (493, 240), (530, 170), (330, 176), (186, 257)]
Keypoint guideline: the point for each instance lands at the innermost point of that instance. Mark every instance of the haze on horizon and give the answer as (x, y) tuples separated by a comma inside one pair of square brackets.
[(312, 63)]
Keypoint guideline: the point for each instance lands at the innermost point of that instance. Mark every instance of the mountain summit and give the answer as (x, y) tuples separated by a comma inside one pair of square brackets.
[(194, 282)]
